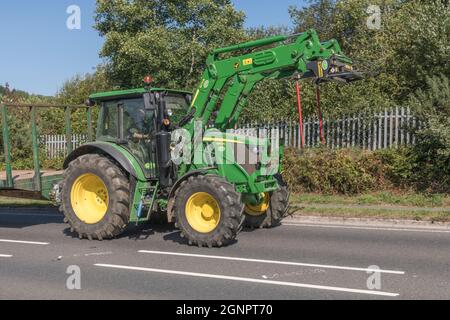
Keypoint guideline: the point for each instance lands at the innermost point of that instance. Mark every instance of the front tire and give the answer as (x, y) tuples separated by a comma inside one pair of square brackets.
[(96, 198), (208, 211), (271, 211)]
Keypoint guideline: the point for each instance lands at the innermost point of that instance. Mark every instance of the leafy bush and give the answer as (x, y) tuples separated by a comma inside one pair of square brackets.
[(352, 171), (397, 165), (333, 171), (423, 167), (431, 153), (26, 163)]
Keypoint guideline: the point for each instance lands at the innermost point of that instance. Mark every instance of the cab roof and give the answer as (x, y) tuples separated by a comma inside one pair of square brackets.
[(130, 93)]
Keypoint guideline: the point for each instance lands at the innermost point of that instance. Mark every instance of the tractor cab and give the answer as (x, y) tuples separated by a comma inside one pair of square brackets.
[(132, 119)]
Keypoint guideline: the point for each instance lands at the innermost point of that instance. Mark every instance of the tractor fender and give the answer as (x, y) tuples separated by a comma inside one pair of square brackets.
[(115, 152), (177, 184)]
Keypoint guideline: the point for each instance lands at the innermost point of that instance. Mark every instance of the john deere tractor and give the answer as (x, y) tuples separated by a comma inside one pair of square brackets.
[(129, 175)]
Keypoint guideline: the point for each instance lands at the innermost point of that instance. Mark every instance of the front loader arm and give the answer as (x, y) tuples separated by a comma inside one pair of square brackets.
[(228, 81)]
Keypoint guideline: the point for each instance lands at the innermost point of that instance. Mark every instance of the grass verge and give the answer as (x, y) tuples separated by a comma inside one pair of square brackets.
[(418, 215), (15, 202), (387, 198), (380, 205)]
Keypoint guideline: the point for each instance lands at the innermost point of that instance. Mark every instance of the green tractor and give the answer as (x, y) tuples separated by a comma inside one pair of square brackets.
[(128, 175)]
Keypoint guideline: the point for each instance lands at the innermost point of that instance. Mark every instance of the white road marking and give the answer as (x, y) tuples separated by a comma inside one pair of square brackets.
[(363, 228), (298, 264), (25, 242), (98, 254), (5, 256), (266, 282)]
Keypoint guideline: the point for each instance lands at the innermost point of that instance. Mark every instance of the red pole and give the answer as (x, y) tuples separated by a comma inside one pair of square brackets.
[(319, 111), (300, 113)]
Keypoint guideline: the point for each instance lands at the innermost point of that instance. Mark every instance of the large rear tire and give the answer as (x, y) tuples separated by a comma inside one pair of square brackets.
[(208, 211), (96, 198), (271, 211)]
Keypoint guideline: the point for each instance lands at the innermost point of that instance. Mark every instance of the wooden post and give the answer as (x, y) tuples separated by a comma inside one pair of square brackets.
[(7, 147), (68, 127), (35, 142)]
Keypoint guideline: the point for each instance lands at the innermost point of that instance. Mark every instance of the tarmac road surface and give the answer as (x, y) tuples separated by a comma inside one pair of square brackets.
[(41, 259)]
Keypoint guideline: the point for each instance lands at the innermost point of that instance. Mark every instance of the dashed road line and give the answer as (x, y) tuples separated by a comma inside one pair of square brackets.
[(25, 242), (298, 264), (249, 280), (5, 256)]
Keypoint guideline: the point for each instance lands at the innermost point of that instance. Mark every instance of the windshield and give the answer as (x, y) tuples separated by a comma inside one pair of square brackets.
[(135, 119), (177, 105)]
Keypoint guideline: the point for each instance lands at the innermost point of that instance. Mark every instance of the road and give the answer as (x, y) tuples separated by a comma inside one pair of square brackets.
[(293, 261)]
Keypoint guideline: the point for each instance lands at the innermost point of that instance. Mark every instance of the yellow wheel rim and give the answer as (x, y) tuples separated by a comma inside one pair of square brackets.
[(89, 198), (203, 212), (260, 209)]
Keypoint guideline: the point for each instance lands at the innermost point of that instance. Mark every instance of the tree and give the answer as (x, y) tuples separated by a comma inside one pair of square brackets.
[(318, 15), (271, 99), (20, 125), (431, 154), (411, 45), (76, 90), (419, 38), (169, 40)]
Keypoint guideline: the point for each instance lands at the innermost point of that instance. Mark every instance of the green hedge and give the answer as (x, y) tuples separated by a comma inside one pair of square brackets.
[(353, 171), (325, 171)]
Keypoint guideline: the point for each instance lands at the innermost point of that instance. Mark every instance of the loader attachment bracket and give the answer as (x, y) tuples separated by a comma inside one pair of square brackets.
[(335, 68)]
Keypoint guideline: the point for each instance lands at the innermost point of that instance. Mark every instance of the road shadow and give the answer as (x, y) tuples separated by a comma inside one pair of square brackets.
[(143, 232), (136, 233), (254, 229), (176, 238), (22, 217)]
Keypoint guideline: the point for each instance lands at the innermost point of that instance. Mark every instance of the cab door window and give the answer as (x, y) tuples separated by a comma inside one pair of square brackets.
[(138, 132)]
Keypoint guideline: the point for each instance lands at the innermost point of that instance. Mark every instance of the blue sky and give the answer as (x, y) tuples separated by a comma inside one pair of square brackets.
[(38, 53)]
